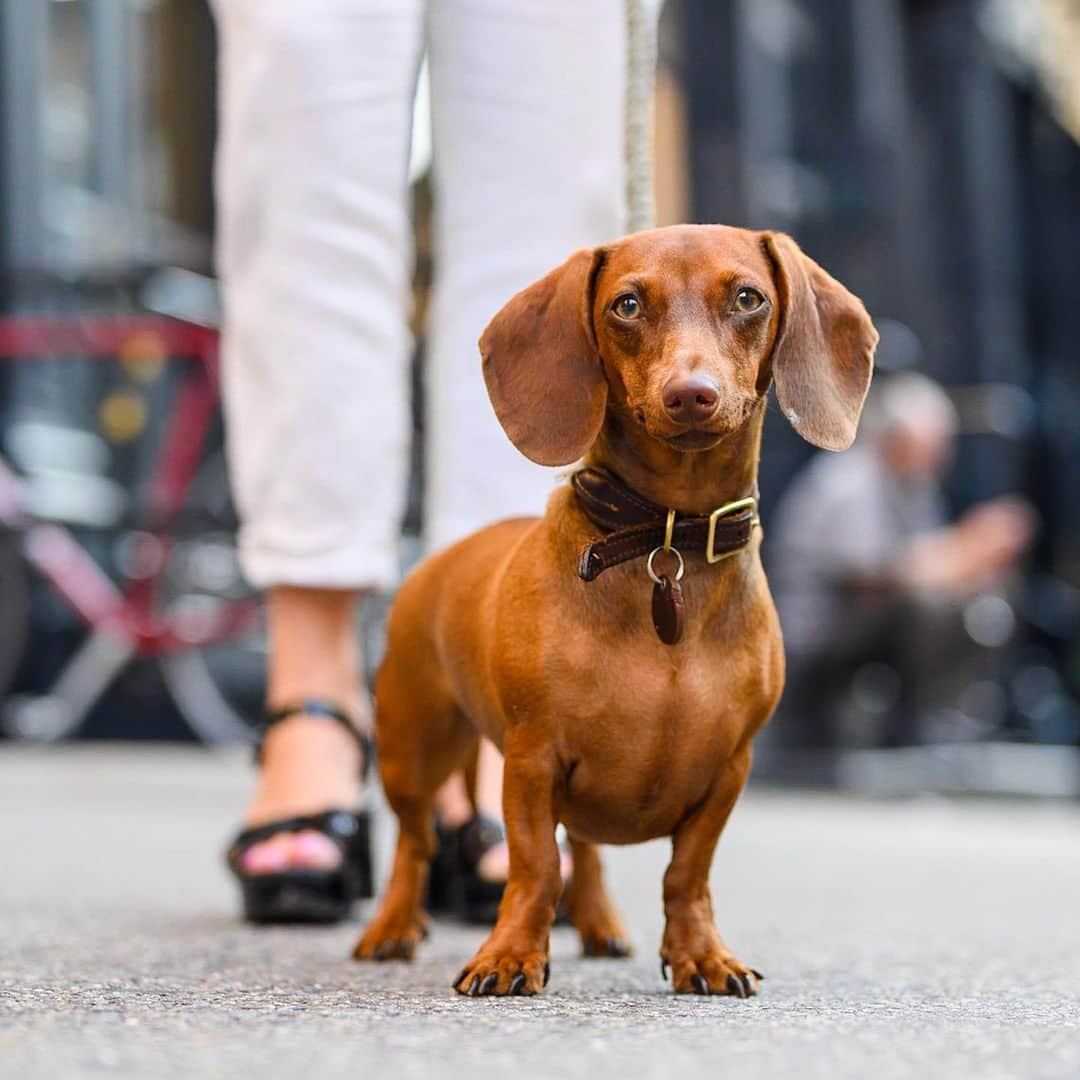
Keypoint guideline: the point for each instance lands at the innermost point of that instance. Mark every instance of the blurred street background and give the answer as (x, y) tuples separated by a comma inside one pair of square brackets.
[(927, 152)]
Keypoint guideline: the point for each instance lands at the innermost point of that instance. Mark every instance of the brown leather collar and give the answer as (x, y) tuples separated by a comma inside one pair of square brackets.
[(636, 526)]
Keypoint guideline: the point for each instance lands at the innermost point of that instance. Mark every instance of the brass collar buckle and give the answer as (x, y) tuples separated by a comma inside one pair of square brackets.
[(749, 503)]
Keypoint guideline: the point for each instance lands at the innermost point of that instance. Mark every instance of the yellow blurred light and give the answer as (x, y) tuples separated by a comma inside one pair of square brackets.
[(123, 416)]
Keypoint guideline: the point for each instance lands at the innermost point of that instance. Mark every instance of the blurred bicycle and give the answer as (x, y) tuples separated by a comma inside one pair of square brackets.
[(173, 593)]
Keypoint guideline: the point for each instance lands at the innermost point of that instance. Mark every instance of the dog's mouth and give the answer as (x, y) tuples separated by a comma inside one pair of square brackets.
[(688, 440), (692, 440)]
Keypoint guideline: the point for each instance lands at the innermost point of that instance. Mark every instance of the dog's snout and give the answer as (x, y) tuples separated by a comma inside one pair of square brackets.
[(691, 399)]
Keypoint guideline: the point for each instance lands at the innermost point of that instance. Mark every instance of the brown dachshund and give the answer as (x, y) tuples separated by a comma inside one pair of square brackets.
[(623, 649)]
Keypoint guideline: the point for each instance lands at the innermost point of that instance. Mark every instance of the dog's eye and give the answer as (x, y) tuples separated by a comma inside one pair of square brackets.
[(627, 307), (748, 300)]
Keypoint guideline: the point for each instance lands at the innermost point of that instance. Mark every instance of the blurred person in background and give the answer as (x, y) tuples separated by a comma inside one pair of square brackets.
[(315, 253), (870, 578)]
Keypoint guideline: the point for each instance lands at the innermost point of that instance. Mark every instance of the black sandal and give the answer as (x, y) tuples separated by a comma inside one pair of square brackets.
[(455, 887), (308, 895), (480, 896)]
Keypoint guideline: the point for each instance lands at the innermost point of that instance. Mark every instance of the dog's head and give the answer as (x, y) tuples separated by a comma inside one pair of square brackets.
[(681, 331)]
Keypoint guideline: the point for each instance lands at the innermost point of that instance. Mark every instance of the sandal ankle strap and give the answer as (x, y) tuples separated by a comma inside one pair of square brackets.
[(325, 709), (479, 835)]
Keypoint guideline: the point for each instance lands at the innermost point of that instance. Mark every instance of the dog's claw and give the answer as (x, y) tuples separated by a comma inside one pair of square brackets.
[(748, 986), (735, 987), (663, 969), (517, 984), (699, 984), (456, 984), (488, 984), (757, 974), (547, 973), (473, 986)]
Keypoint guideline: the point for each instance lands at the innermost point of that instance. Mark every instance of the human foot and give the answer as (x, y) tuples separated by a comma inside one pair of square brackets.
[(308, 765), (494, 864)]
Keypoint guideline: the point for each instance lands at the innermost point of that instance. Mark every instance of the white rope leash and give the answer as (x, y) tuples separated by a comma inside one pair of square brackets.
[(641, 19)]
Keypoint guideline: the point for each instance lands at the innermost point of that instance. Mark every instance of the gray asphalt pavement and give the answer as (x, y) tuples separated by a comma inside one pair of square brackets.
[(899, 939)]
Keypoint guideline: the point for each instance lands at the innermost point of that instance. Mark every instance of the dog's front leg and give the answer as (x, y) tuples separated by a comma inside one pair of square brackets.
[(514, 959), (700, 961)]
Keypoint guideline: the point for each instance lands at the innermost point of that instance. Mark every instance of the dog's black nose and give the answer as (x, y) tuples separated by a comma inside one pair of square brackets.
[(691, 399)]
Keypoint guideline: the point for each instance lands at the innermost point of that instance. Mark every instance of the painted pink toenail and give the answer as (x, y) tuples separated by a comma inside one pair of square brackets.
[(265, 858), (312, 849)]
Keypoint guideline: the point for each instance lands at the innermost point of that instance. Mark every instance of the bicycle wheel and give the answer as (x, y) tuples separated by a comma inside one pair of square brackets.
[(14, 608), (218, 687)]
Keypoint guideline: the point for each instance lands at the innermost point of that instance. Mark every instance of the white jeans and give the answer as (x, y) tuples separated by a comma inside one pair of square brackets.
[(315, 254)]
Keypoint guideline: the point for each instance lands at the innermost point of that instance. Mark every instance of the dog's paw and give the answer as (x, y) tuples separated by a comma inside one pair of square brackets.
[(390, 938), (601, 931), (616, 947), (506, 973), (599, 927), (713, 972)]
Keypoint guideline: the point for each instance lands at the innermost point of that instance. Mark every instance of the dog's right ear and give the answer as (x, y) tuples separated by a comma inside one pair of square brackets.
[(542, 366), (824, 353)]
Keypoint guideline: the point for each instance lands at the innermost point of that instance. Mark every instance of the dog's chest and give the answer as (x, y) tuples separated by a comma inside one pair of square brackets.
[(642, 738)]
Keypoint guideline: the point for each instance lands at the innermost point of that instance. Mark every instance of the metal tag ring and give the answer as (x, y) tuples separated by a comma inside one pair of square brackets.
[(676, 553)]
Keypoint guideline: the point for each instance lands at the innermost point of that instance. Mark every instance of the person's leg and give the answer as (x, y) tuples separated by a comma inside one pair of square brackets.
[(314, 256), (528, 117), (308, 765), (939, 663)]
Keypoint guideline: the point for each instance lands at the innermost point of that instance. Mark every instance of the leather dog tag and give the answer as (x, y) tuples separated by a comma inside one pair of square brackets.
[(667, 610)]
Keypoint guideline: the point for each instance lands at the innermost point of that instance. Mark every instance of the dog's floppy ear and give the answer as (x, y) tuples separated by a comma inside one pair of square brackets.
[(541, 364), (824, 351)]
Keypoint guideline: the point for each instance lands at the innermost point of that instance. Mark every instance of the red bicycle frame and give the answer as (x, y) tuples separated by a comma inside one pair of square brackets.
[(132, 611)]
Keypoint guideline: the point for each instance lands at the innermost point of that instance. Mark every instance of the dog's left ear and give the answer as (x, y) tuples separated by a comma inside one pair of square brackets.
[(824, 352), (542, 366)]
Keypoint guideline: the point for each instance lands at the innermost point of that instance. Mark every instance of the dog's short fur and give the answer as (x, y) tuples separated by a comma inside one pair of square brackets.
[(605, 728)]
